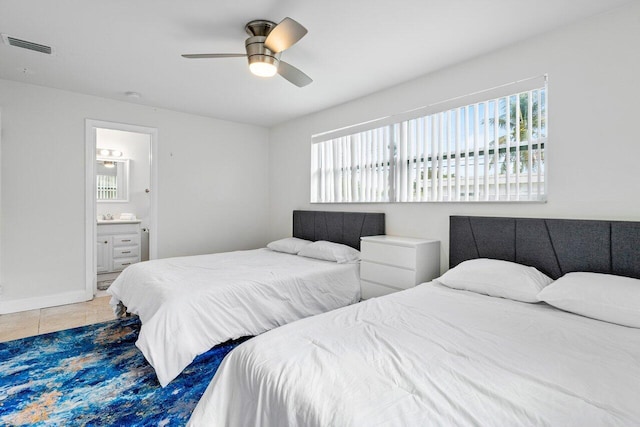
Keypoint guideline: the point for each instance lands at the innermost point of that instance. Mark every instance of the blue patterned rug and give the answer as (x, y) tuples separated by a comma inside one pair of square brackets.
[(96, 376)]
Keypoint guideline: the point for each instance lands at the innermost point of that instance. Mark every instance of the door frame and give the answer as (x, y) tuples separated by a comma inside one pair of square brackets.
[(90, 194)]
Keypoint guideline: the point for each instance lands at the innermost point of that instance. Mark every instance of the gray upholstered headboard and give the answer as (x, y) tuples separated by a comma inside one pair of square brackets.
[(553, 246), (339, 227)]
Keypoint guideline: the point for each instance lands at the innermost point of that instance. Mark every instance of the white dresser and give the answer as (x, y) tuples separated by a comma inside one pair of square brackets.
[(391, 263), (118, 245)]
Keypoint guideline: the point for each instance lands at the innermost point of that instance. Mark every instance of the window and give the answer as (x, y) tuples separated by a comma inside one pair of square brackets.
[(488, 146)]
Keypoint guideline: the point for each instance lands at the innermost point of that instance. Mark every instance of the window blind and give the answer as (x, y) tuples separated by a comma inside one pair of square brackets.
[(107, 187), (492, 149)]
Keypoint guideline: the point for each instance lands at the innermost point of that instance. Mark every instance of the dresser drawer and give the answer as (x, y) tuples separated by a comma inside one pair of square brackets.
[(399, 256), (126, 240), (126, 251), (386, 275), (122, 263), (372, 290)]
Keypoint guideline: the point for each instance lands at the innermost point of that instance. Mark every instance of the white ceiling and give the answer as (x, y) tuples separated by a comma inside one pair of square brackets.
[(353, 48)]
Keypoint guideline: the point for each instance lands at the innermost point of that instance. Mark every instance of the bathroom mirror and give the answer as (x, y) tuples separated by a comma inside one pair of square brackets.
[(112, 180)]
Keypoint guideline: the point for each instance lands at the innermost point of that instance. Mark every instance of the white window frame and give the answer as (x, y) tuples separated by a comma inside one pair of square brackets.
[(393, 153)]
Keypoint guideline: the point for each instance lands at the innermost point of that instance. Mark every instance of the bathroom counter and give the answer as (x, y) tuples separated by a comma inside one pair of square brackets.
[(118, 221)]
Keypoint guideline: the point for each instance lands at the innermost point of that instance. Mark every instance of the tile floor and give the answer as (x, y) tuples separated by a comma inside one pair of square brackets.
[(42, 321)]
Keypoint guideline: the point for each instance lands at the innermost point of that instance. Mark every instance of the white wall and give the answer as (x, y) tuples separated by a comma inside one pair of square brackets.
[(594, 72), (212, 187)]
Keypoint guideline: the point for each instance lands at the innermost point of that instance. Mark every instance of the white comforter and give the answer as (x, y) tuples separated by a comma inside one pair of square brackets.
[(189, 304), (431, 356)]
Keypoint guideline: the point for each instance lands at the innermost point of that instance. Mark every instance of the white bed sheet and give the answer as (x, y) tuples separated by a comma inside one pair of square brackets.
[(431, 356), (189, 304)]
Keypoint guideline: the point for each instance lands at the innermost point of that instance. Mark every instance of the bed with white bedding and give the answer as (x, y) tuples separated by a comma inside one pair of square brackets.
[(431, 356), (434, 355), (189, 304)]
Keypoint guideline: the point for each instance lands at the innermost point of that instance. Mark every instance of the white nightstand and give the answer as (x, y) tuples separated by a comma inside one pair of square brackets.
[(390, 264)]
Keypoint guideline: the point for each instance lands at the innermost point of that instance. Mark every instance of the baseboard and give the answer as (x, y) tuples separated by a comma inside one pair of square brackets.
[(15, 305)]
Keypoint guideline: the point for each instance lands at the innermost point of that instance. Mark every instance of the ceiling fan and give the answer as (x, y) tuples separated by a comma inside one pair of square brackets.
[(264, 46)]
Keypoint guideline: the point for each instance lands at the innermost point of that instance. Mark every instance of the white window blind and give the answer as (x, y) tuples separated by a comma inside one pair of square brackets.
[(488, 146), (107, 187)]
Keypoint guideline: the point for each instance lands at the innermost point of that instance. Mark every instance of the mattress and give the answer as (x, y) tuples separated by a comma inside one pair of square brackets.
[(431, 356), (189, 304)]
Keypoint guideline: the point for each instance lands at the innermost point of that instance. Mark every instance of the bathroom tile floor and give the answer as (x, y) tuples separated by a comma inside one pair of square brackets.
[(35, 322)]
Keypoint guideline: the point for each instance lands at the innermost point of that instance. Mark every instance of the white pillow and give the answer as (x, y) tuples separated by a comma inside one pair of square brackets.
[(614, 299), (497, 278), (290, 245), (330, 251)]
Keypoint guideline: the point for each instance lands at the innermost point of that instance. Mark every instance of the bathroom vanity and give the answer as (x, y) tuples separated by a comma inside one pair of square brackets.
[(118, 244)]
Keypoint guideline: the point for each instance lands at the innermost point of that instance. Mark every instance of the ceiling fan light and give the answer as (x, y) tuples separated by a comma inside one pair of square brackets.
[(263, 69)]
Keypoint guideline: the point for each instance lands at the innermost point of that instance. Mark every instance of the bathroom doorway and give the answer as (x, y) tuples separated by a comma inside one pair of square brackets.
[(121, 203)]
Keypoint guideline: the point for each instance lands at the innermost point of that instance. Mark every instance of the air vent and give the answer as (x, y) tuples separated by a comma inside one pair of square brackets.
[(25, 44)]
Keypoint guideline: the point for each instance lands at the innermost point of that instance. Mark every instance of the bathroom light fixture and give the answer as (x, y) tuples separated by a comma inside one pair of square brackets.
[(108, 164), (105, 152)]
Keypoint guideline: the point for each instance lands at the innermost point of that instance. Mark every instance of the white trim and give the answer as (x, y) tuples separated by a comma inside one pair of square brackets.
[(90, 194), (1, 283), (24, 304)]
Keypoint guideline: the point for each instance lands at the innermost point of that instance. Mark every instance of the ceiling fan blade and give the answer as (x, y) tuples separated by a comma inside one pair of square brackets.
[(292, 74), (214, 55), (284, 35)]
